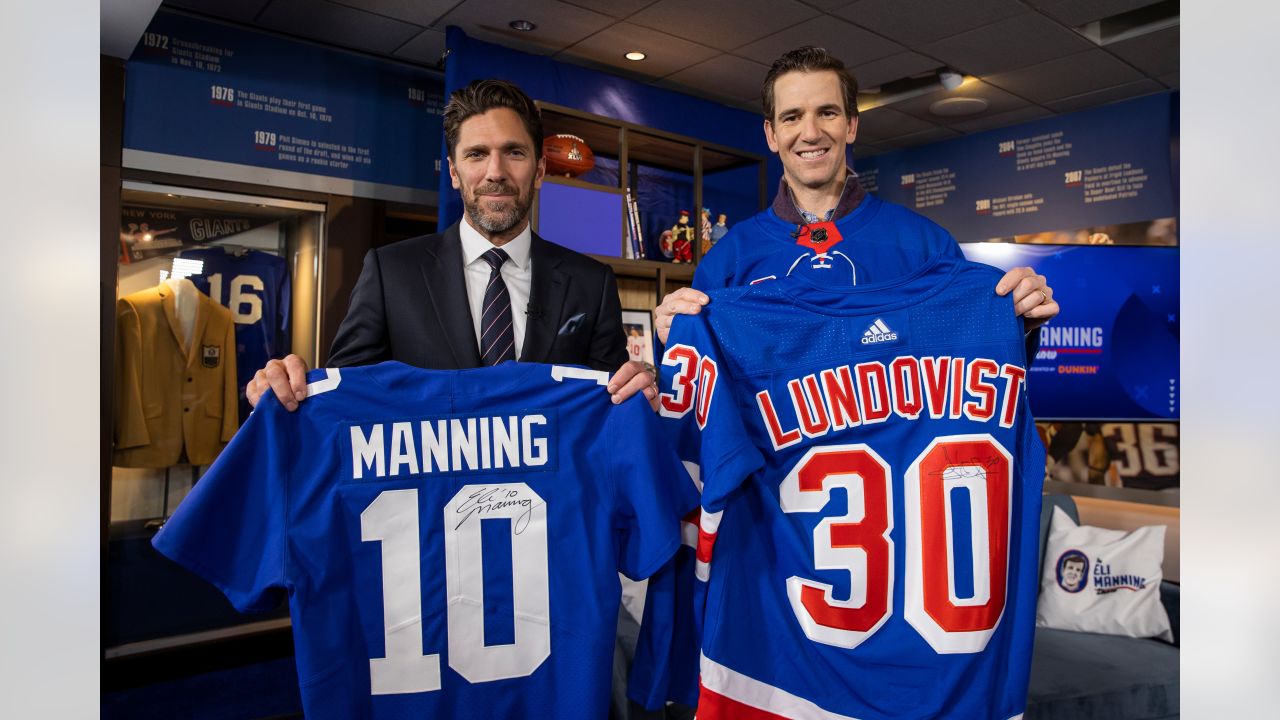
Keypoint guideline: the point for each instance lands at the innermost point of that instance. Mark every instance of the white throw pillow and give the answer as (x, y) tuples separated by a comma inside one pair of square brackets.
[(1102, 581)]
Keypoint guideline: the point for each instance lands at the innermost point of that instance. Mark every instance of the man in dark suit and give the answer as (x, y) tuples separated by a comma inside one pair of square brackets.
[(486, 289)]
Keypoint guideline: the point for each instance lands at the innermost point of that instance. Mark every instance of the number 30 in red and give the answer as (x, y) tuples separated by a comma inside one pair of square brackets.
[(859, 542)]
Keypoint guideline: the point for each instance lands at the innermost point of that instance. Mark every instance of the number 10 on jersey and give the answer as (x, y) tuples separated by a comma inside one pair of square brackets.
[(860, 541), (392, 521)]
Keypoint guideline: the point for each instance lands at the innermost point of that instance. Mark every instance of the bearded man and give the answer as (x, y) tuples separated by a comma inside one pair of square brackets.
[(487, 289)]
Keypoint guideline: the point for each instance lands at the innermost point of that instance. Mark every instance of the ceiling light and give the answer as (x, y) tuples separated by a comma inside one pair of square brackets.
[(950, 79), (635, 55), (522, 25), (958, 106), (943, 79)]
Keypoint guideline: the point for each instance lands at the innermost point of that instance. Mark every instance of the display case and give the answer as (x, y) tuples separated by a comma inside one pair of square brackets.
[(589, 213), (209, 286)]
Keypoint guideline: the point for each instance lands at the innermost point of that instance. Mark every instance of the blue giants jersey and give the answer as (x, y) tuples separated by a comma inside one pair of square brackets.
[(255, 287), (871, 492), (450, 541)]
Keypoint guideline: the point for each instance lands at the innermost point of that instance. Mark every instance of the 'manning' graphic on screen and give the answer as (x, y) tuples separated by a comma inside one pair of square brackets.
[(1112, 354)]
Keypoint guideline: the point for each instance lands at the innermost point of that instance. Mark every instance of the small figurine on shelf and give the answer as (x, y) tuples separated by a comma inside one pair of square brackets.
[(718, 230), (682, 239), (706, 230), (664, 244)]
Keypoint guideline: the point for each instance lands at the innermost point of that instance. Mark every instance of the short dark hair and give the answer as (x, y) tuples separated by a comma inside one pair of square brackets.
[(810, 59), (480, 97)]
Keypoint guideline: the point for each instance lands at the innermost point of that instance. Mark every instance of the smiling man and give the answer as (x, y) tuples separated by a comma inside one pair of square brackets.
[(822, 222), (487, 289)]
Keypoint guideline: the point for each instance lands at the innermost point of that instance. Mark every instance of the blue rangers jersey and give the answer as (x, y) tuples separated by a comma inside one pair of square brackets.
[(255, 286), (449, 541), (876, 242), (871, 492)]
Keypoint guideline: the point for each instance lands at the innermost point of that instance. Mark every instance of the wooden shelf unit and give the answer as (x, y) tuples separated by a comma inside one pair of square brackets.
[(633, 145)]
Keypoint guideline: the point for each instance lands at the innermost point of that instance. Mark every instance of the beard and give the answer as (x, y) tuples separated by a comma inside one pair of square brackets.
[(501, 218)]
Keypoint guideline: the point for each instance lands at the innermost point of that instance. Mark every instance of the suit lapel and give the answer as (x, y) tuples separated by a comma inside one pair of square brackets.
[(443, 274), (169, 301), (204, 308), (546, 300)]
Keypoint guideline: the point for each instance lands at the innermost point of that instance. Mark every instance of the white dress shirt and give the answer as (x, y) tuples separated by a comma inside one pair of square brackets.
[(517, 273)]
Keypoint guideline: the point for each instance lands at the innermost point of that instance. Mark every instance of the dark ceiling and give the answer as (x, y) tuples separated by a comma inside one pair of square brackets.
[(1027, 59)]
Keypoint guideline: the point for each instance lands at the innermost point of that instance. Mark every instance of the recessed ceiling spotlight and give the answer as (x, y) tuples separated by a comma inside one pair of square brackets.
[(522, 25), (635, 55)]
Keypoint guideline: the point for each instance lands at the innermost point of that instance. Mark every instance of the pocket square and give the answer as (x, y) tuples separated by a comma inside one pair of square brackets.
[(573, 324)]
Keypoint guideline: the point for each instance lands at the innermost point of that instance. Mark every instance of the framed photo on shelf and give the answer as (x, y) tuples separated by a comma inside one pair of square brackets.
[(637, 325)]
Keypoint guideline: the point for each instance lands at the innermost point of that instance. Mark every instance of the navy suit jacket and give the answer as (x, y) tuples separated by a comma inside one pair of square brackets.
[(410, 304)]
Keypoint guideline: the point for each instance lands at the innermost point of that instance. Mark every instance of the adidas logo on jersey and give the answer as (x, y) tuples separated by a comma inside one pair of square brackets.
[(878, 333)]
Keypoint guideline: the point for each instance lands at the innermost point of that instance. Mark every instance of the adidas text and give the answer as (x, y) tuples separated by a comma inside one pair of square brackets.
[(878, 332), (879, 338)]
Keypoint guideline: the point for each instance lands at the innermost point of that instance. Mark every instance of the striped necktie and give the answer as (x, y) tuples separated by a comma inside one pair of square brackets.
[(497, 337)]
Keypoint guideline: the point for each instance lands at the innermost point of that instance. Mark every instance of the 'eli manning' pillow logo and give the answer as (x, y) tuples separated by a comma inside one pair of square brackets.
[(1073, 571)]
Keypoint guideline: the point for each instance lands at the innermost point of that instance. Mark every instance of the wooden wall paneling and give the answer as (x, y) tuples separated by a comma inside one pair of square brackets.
[(637, 294)]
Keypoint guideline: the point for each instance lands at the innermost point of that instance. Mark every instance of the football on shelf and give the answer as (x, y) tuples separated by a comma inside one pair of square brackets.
[(567, 155)]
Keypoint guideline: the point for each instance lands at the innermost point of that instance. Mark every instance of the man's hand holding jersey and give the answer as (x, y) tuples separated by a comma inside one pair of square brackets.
[(682, 301), (287, 378), (1032, 296)]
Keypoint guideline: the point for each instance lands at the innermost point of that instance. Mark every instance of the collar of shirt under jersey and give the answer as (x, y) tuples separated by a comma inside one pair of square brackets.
[(785, 207), (517, 273)]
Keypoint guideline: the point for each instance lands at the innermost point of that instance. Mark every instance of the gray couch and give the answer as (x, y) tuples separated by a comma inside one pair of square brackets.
[(1083, 676)]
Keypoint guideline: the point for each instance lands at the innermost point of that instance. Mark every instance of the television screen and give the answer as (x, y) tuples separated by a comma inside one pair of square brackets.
[(581, 218), (1112, 353)]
